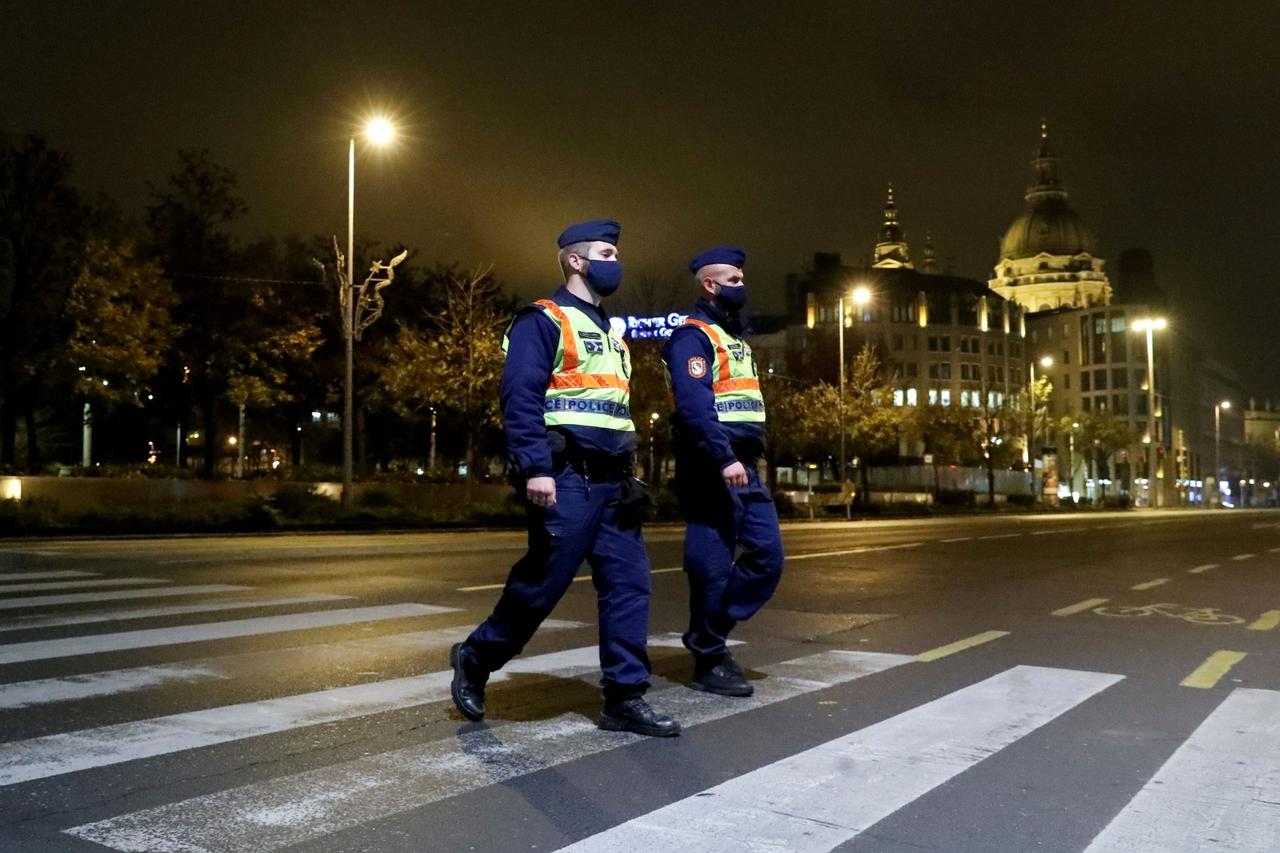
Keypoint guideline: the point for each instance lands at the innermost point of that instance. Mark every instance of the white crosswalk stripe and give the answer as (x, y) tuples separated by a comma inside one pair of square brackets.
[(30, 601), (275, 814), (1219, 791), (23, 623), (98, 643), (264, 665), (35, 576), (819, 799), (53, 755), (81, 584)]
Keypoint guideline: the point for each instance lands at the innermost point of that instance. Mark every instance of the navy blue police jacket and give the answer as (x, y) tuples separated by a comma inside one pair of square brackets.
[(696, 425), (532, 342)]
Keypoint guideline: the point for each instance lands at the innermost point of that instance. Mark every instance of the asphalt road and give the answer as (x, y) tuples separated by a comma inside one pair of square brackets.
[(1100, 682)]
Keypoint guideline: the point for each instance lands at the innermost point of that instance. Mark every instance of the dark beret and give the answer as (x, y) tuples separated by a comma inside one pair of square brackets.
[(591, 231), (731, 255)]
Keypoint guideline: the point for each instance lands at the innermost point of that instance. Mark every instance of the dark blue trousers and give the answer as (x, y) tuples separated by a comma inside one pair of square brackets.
[(732, 555), (581, 526)]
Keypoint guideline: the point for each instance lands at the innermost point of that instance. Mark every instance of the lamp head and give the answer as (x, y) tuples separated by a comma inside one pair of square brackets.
[(1047, 361), (379, 131), (861, 295)]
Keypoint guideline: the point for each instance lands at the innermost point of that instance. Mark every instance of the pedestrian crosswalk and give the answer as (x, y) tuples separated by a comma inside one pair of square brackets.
[(1218, 789)]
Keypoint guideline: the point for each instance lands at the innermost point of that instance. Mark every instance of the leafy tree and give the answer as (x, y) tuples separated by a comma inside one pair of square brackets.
[(872, 423), (1100, 436), (42, 229), (650, 395), (456, 366), (803, 420), (241, 332), (119, 311)]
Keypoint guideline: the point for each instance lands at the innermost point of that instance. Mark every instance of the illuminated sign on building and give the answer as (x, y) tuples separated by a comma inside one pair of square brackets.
[(654, 327)]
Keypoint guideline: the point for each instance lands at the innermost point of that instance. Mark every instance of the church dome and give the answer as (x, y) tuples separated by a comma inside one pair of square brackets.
[(1050, 227)]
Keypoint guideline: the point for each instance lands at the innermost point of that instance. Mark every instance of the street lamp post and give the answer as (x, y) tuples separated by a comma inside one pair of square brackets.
[(1150, 326), (1045, 362), (861, 296), (653, 426), (1217, 450), (379, 131)]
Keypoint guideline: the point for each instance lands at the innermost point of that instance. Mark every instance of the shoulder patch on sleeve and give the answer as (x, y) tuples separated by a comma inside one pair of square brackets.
[(697, 367)]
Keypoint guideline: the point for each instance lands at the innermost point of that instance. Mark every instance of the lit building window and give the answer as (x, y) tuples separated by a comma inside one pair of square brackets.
[(912, 397), (945, 396), (933, 396), (898, 396)]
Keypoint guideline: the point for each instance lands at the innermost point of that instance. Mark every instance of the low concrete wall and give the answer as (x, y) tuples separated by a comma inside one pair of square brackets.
[(77, 494)]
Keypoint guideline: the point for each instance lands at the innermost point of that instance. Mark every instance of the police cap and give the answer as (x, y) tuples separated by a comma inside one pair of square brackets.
[(606, 230), (731, 255)]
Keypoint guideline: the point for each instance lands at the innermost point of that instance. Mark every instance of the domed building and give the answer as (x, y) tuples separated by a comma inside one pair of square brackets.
[(1048, 256)]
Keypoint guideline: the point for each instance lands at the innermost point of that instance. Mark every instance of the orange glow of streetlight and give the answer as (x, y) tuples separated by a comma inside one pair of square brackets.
[(861, 295), (380, 131)]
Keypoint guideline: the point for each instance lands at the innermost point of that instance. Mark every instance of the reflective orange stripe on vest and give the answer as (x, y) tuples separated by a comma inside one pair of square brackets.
[(570, 343), (722, 360), (588, 380), (735, 385)]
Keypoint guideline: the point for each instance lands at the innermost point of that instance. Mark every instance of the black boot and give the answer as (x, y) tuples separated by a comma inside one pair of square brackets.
[(635, 715), (724, 678), (469, 679)]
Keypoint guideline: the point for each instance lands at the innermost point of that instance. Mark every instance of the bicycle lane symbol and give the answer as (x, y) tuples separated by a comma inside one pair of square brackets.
[(1194, 615)]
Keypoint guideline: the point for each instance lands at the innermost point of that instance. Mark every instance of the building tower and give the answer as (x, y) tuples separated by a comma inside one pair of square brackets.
[(1048, 256), (891, 250), (929, 260)]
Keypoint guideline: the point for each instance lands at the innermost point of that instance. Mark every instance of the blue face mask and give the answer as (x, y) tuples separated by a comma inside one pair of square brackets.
[(732, 298), (604, 276)]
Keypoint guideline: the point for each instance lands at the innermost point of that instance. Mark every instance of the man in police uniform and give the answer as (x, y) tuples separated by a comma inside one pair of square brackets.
[(732, 546), (565, 405)]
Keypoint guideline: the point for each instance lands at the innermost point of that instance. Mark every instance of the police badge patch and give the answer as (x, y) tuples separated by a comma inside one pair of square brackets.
[(697, 367)]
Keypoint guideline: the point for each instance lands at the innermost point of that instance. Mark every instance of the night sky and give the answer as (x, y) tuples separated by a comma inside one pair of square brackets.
[(772, 125)]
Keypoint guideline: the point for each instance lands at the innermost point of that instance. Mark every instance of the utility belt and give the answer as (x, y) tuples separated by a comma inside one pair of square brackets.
[(600, 467)]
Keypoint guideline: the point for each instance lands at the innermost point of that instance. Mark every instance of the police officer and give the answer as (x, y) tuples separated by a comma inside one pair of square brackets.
[(732, 547), (565, 404)]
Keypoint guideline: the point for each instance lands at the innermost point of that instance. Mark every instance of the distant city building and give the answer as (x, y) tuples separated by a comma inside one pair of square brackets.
[(1262, 424), (944, 339)]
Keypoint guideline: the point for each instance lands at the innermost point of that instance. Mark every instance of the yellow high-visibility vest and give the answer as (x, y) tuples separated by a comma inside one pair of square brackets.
[(591, 379), (734, 379)]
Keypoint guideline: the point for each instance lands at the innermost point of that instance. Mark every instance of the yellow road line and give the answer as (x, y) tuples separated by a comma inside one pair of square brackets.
[(1087, 604), (1267, 621), (1198, 569), (1150, 584), (1211, 671), (960, 645)]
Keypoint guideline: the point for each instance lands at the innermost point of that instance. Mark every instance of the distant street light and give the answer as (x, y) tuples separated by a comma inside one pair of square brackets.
[(379, 131), (1151, 325), (653, 426), (861, 296), (1046, 362), (1217, 449)]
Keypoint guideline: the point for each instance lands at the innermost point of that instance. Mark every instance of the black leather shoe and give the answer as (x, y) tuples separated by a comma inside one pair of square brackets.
[(732, 664), (469, 679), (723, 679), (635, 715)]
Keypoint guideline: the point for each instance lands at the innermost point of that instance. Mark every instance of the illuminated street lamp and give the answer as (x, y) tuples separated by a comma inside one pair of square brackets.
[(379, 131), (1217, 448), (1046, 362), (653, 425), (1151, 325), (861, 295)]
